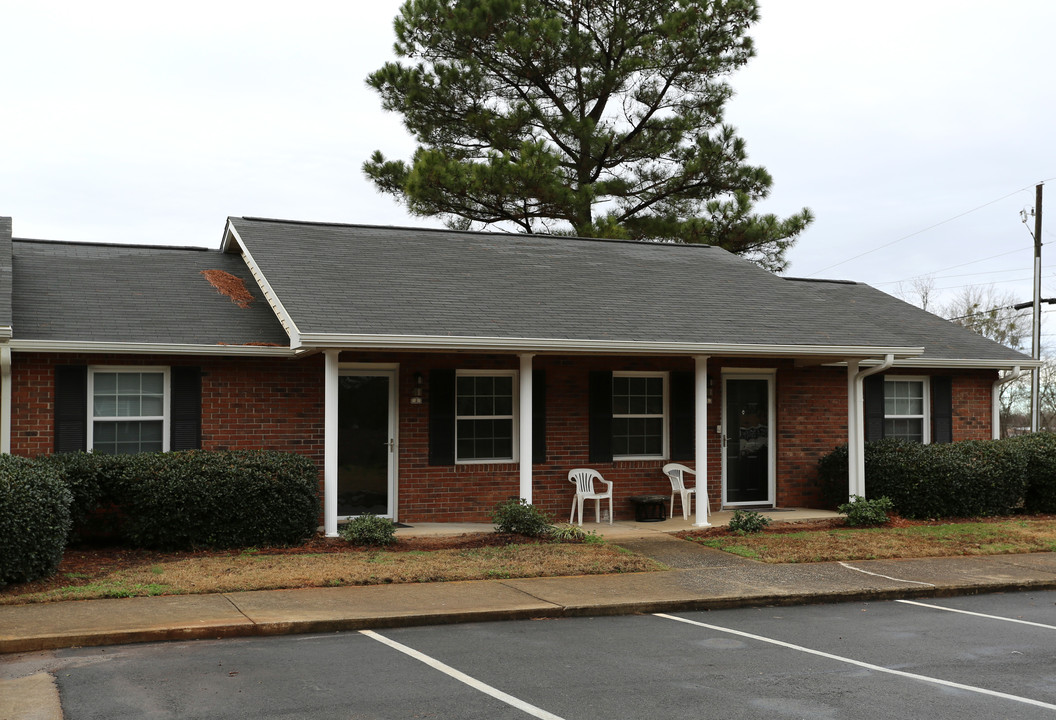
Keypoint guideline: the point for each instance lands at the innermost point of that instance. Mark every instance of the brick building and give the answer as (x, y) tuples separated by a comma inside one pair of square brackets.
[(433, 374)]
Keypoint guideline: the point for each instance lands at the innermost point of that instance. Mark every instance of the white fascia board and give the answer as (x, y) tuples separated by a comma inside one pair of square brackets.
[(967, 364), (73, 346), (954, 364), (559, 345), (231, 235)]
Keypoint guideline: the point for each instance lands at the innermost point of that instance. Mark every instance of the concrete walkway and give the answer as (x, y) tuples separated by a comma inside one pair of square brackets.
[(700, 578)]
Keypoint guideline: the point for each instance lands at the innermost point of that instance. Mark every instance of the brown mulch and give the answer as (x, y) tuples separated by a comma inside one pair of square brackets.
[(88, 562)]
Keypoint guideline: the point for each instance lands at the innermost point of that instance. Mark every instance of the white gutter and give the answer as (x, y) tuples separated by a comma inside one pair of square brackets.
[(965, 364), (995, 400), (450, 342), (856, 423), (148, 348), (5, 400)]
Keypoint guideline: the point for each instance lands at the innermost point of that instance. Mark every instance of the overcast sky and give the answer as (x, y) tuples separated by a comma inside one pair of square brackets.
[(152, 122)]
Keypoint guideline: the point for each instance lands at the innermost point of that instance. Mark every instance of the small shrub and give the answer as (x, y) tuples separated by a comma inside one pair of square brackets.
[(34, 519), (567, 533), (518, 517), (866, 513), (1040, 451), (368, 529), (746, 522)]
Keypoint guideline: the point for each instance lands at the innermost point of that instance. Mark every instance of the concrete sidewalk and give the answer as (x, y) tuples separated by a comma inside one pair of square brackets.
[(700, 578)]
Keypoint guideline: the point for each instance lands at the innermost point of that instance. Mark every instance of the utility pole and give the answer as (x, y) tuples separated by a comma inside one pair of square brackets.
[(1035, 373)]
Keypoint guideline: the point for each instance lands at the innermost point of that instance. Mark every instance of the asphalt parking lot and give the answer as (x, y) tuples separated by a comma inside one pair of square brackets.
[(975, 656)]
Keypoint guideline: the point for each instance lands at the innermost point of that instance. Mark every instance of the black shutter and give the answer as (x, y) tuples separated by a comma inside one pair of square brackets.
[(873, 387), (600, 417), (71, 408), (683, 418), (538, 416), (185, 423), (442, 417), (942, 409)]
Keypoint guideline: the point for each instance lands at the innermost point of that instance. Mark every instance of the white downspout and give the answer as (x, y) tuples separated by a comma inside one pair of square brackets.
[(5, 400), (525, 427), (995, 401), (856, 419)]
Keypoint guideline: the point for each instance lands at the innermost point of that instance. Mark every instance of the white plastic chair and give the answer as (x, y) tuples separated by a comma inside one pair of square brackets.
[(676, 473), (584, 479)]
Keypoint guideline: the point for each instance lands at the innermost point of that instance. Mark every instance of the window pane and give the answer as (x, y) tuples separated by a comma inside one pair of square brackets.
[(105, 406), (105, 383), (128, 383), (152, 405), (905, 429), (153, 383), (128, 406)]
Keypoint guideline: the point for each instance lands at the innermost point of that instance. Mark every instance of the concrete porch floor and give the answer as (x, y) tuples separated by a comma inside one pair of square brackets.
[(623, 528)]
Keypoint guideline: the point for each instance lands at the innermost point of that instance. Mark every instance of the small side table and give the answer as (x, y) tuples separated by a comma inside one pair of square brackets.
[(649, 508)]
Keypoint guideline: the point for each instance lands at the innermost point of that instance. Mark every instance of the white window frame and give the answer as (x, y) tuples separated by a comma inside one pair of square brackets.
[(665, 416), (166, 401), (926, 417), (514, 416)]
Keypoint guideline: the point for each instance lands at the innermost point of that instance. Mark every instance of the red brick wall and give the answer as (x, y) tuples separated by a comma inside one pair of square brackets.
[(278, 404), (246, 403)]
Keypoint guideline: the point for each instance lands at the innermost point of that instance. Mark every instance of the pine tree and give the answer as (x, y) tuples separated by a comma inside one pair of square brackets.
[(602, 118)]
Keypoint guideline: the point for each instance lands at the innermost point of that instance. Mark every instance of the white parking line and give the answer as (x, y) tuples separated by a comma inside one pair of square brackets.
[(462, 677), (982, 615), (886, 577), (859, 663)]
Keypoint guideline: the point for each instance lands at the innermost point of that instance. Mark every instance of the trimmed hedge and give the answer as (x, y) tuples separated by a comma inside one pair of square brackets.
[(193, 499), (34, 519), (1040, 449), (964, 479)]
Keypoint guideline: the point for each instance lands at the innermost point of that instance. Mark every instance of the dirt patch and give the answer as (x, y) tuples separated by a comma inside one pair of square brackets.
[(229, 285)]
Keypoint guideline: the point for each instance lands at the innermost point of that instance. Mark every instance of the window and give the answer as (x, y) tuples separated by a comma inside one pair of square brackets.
[(128, 411), (906, 409), (639, 425), (485, 412)]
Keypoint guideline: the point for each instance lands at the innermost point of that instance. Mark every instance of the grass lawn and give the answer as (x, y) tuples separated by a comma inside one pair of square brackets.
[(109, 573), (821, 542)]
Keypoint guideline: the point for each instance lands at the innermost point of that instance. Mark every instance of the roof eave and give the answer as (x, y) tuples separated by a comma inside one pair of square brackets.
[(76, 346), (562, 345)]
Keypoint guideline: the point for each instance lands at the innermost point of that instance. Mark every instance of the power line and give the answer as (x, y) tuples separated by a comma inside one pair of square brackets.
[(930, 227)]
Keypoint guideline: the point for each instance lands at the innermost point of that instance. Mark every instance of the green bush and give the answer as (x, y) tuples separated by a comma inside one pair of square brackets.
[(963, 479), (34, 519), (368, 529), (517, 517), (866, 513), (746, 522), (190, 499), (91, 480), (1040, 451)]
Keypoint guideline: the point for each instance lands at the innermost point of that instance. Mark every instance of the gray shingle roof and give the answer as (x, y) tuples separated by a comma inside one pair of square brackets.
[(364, 280), (5, 272), (133, 294)]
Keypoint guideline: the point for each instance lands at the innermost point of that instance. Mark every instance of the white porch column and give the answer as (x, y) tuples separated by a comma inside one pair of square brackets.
[(330, 442), (700, 386), (524, 423), (855, 471)]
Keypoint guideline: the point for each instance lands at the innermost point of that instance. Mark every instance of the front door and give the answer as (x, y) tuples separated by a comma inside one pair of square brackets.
[(747, 437), (365, 442)]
